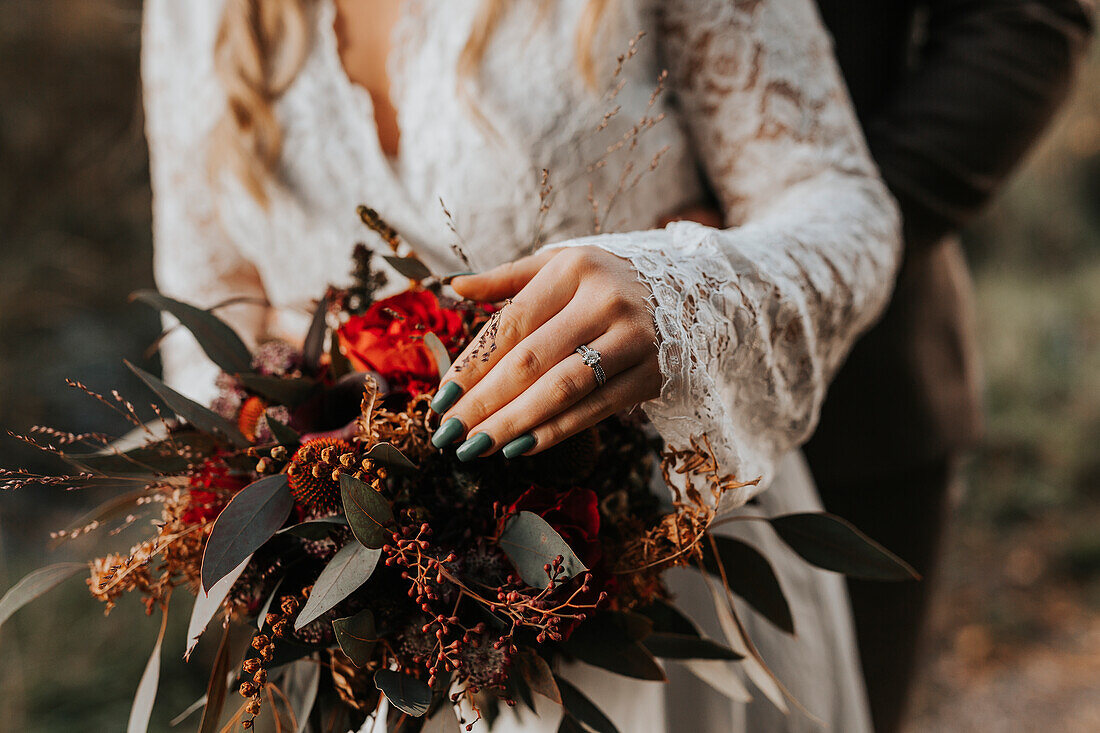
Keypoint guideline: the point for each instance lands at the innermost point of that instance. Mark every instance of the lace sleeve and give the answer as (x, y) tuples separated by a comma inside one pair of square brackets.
[(754, 320), (194, 260)]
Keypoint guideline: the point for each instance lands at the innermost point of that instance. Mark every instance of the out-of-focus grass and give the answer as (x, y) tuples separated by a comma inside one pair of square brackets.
[(1014, 643)]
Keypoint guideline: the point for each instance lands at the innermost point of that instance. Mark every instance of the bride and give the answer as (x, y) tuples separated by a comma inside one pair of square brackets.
[(270, 120)]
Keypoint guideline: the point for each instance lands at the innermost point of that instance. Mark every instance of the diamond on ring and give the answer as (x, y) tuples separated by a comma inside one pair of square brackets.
[(591, 358)]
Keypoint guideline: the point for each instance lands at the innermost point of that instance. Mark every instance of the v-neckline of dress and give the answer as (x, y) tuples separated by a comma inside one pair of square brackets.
[(360, 96)]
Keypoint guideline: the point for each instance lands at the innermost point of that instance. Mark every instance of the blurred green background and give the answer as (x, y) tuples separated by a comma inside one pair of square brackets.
[(1015, 637)]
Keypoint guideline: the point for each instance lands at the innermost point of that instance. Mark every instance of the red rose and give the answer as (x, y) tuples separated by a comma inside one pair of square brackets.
[(389, 339), (573, 513)]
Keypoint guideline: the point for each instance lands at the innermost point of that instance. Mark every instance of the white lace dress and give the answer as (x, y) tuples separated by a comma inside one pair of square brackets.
[(753, 319)]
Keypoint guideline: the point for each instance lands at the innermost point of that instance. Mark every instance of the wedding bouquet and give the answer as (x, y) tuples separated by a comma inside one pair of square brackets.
[(345, 561)]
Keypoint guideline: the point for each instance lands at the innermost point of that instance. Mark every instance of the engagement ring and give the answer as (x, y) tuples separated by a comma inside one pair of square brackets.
[(591, 358)]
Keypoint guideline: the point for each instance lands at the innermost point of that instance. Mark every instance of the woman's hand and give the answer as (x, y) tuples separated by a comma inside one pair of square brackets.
[(521, 386)]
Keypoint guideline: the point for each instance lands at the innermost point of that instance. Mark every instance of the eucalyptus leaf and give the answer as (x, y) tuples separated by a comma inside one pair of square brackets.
[(410, 267), (584, 710), (261, 617), (188, 712), (439, 353), (680, 646), (368, 512), (668, 619), (35, 584), (314, 345), (207, 605), (749, 575), (390, 457), (630, 659), (220, 342), (300, 684), (191, 411), (536, 672), (722, 676), (315, 529), (141, 711), (345, 572), (569, 724), (154, 458), (738, 641), (280, 390), (217, 686), (832, 543), (406, 693), (249, 520), (531, 543), (357, 636), (444, 720), (283, 433)]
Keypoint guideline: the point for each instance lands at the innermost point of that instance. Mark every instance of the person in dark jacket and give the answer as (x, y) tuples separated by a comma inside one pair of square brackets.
[(951, 94)]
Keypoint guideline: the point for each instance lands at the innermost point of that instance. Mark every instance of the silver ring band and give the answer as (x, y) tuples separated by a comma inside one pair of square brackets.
[(591, 358)]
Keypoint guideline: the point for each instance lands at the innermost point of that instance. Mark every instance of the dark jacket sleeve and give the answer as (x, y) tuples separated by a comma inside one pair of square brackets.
[(988, 79)]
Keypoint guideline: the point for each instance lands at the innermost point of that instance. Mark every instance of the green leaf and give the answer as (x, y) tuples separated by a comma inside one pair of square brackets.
[(314, 345), (536, 672), (750, 576), (261, 617), (738, 640), (405, 693), (630, 659), (583, 709), (668, 619), (610, 640), (315, 529), (208, 604), (191, 411), (142, 708), (249, 520), (680, 646), (367, 511), (390, 457), (156, 458), (722, 676), (345, 572), (357, 636), (217, 687), (300, 684), (569, 724), (280, 390), (442, 721), (410, 267), (35, 584), (439, 353), (832, 543), (283, 433), (531, 543), (188, 712), (220, 342)]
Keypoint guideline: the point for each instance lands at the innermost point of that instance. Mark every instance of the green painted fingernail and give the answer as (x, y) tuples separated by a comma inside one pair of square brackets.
[(448, 433), (474, 447), (446, 280), (519, 446), (447, 395)]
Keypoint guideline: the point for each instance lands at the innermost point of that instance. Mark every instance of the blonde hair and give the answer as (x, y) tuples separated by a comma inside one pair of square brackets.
[(260, 48)]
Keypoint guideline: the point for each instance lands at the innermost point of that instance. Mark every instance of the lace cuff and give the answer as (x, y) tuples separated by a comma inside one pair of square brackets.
[(751, 326)]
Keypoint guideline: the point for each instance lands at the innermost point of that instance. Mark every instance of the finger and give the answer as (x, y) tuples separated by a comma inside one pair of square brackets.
[(501, 282), (565, 384), (526, 362), (543, 297), (637, 384)]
